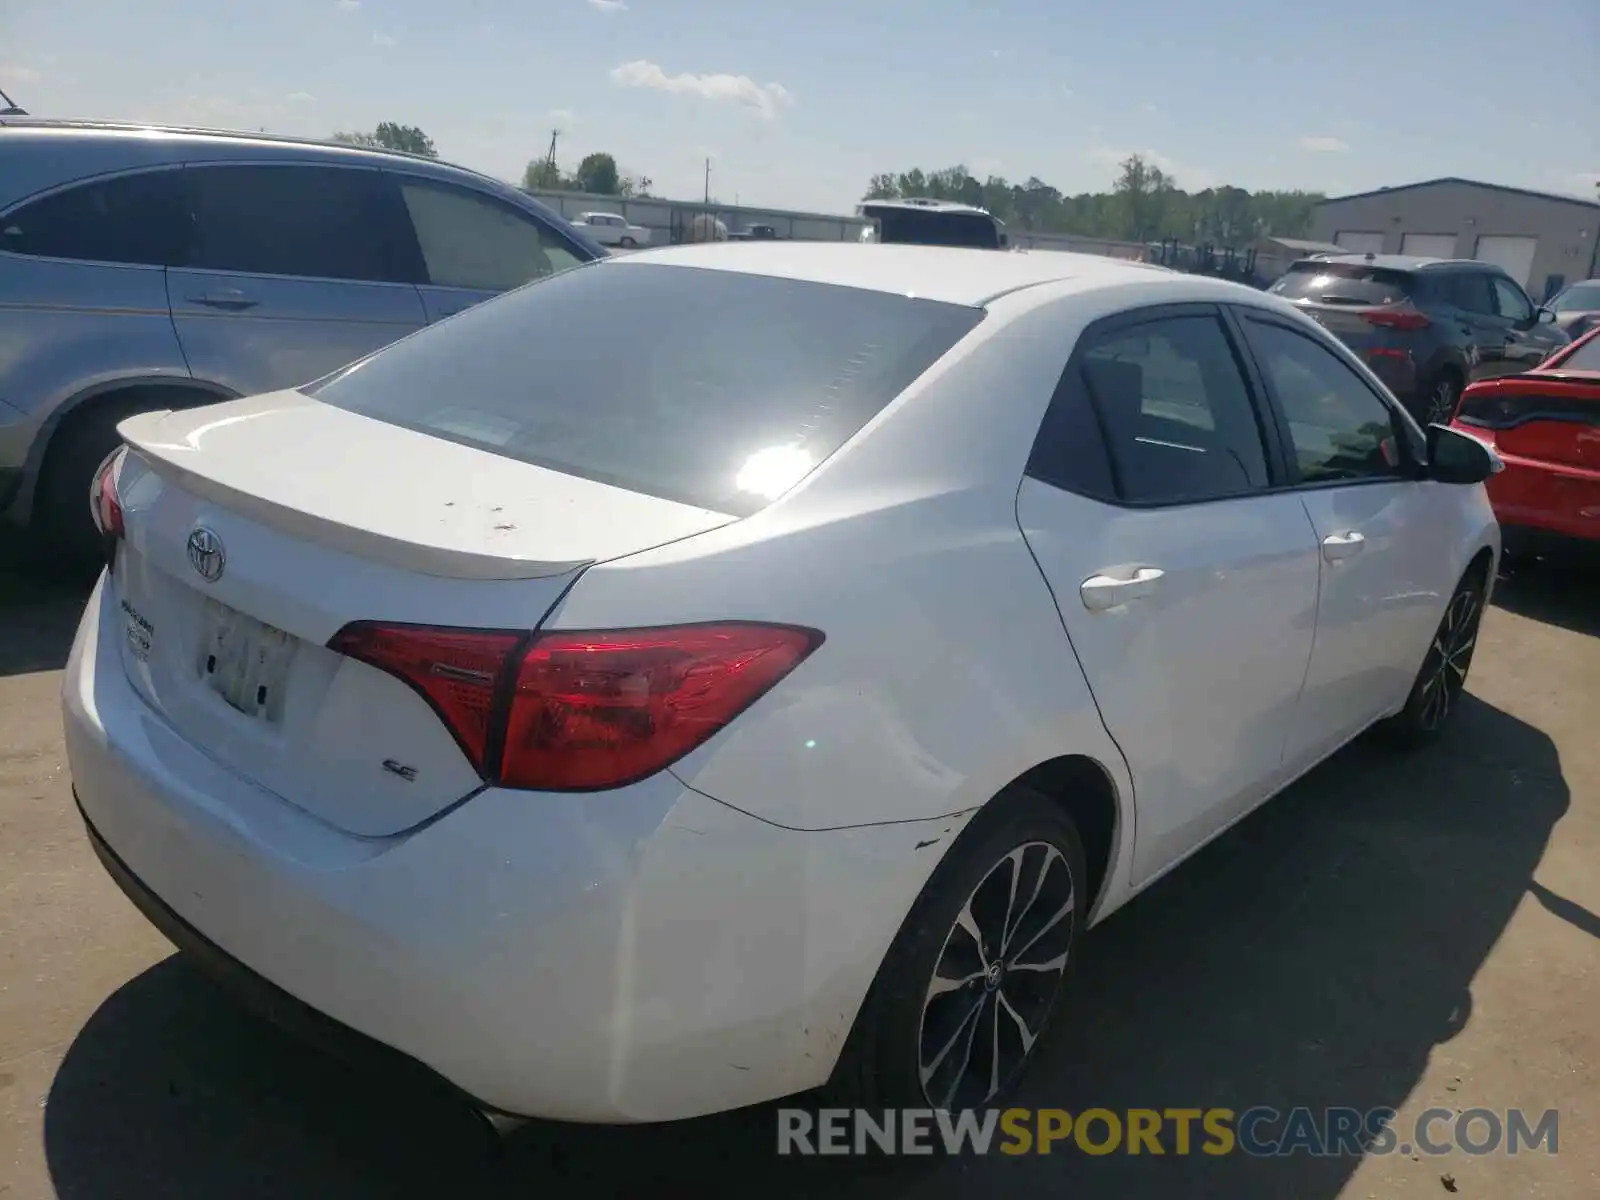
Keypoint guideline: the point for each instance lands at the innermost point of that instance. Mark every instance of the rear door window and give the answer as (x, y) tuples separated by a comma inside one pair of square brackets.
[(712, 388), (1467, 290), (474, 241), (131, 219), (313, 222), (1343, 283)]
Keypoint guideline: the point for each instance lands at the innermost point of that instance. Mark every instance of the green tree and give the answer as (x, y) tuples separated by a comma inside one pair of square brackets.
[(598, 173), (542, 175), (391, 136)]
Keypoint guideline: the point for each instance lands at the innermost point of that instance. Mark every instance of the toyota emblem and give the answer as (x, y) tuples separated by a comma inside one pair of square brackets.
[(205, 554)]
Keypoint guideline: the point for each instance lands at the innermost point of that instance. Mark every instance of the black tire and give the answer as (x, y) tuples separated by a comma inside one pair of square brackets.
[(628, 243), (902, 1024), (1436, 403), (1443, 675), (65, 541)]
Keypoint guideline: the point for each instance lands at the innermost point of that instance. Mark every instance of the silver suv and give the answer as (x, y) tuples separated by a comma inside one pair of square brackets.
[(149, 268)]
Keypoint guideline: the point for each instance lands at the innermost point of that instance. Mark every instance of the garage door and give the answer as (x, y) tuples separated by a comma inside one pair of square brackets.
[(1429, 245), (1513, 255), (1359, 243)]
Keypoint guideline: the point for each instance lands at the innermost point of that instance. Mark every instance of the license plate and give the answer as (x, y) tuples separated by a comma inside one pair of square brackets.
[(244, 661)]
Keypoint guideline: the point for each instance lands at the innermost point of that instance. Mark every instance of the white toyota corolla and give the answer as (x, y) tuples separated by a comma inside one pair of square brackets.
[(626, 736)]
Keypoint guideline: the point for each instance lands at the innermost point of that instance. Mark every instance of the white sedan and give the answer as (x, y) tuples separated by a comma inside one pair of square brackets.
[(611, 230), (626, 737)]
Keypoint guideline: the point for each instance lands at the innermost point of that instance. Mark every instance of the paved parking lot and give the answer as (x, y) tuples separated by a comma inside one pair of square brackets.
[(1403, 932)]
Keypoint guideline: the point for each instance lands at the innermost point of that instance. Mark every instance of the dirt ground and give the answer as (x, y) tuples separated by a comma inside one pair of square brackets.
[(1406, 932)]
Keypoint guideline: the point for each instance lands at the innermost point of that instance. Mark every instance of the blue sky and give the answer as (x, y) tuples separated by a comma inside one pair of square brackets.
[(797, 105)]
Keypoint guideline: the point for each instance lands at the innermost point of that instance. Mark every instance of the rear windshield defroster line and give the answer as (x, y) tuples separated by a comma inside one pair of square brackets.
[(712, 388)]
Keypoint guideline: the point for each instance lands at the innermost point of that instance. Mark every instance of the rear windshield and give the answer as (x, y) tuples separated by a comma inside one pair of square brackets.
[(1343, 283), (1585, 358), (919, 227), (712, 388), (1581, 297)]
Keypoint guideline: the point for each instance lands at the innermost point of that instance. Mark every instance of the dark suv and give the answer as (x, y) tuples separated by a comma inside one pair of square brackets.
[(1427, 327)]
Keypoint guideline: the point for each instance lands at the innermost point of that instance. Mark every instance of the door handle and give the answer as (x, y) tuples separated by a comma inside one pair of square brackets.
[(231, 299), (1102, 592), (1337, 546)]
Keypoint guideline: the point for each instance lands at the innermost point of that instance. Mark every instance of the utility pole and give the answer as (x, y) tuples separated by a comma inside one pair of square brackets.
[(708, 180), (551, 157)]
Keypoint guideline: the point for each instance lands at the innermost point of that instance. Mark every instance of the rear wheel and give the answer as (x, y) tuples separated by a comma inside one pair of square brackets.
[(1439, 401), (969, 986), (628, 243), (1440, 683)]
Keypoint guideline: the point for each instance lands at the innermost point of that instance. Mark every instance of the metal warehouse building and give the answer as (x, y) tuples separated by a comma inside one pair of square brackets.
[(1542, 240)]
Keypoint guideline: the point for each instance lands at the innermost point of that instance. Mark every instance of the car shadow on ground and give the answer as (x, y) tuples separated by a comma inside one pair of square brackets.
[(1561, 590), (1316, 955)]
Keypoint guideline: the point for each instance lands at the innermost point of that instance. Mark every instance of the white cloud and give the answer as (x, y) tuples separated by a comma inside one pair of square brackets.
[(1324, 145), (17, 73), (1188, 176), (301, 98), (764, 98), (348, 5), (1149, 108), (608, 6), (383, 39), (563, 117)]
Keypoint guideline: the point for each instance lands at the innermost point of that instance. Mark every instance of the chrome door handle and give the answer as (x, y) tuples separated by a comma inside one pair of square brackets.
[(227, 298), (1337, 546), (1103, 592)]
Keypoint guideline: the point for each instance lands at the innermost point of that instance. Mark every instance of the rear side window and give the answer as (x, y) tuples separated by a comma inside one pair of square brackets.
[(473, 241), (1469, 291), (315, 222), (130, 219), (712, 388), (1343, 283), (1177, 416)]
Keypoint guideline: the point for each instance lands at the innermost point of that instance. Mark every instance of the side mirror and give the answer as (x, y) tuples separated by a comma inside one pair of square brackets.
[(1547, 316), (1456, 457)]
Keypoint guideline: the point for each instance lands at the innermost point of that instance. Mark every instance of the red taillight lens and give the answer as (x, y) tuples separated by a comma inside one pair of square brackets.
[(599, 710), (584, 711), (104, 503), (454, 670), (1406, 319)]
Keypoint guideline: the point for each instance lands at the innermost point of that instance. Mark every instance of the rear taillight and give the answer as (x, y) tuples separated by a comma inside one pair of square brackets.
[(104, 503), (1500, 409), (1405, 319), (565, 711)]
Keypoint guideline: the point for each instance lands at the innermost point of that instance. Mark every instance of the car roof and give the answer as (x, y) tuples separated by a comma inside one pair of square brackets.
[(1401, 262), (921, 205), (953, 275)]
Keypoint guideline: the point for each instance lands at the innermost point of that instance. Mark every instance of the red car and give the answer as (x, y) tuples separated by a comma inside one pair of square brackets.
[(1545, 425)]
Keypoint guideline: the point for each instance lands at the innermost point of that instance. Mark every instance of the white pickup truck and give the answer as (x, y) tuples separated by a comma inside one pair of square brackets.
[(611, 230)]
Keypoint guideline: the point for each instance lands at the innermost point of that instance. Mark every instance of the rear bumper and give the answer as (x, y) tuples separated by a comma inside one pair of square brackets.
[(645, 954), (1549, 498)]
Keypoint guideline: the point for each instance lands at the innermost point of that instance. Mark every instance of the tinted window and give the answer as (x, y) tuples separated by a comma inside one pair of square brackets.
[(1338, 427), (1343, 283), (731, 386), (132, 219), (1581, 297), (318, 222), (932, 228), (1177, 416), (1585, 358), (1070, 449), (1466, 290), (473, 241), (1510, 300)]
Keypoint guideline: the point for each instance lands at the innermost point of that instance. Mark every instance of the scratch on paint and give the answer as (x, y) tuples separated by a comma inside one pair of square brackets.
[(929, 842)]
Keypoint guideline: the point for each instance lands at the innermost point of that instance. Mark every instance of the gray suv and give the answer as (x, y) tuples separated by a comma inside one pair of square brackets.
[(146, 269), (1427, 327)]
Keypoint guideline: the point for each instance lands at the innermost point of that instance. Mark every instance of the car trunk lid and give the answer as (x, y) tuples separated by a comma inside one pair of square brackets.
[(257, 529)]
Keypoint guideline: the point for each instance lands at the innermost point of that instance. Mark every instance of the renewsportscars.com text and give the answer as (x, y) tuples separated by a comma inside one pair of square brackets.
[(1260, 1132)]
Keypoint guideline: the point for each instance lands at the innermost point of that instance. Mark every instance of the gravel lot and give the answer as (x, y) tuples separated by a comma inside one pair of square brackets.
[(1407, 932)]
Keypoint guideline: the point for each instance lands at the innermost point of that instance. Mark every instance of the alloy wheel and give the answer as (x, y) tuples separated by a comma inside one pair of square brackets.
[(1445, 672), (1441, 402), (997, 977)]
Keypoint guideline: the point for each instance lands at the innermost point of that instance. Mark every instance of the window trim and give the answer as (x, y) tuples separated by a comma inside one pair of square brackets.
[(394, 249), (1069, 389), (1408, 440), (88, 181), (420, 265)]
